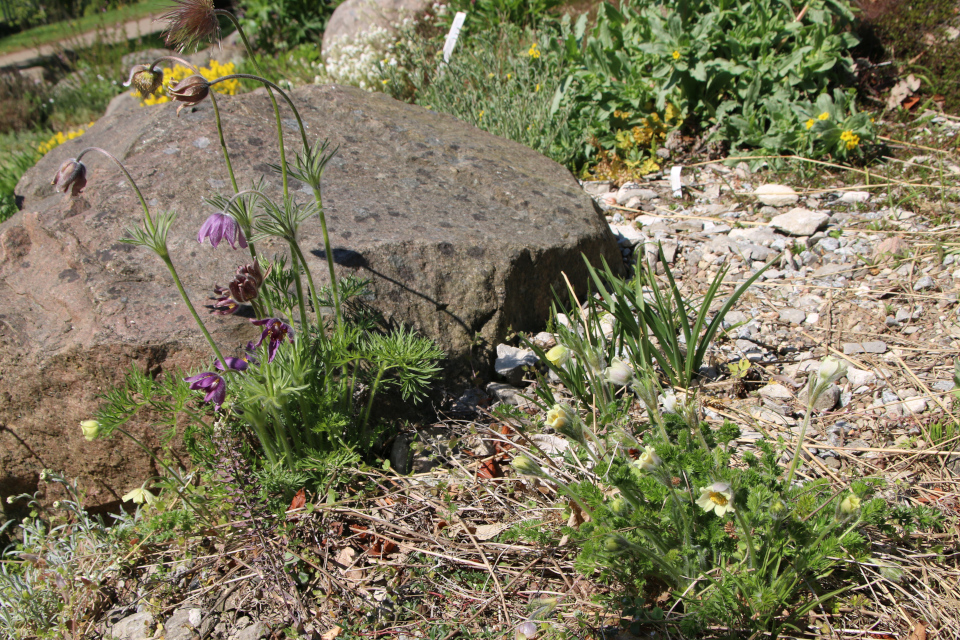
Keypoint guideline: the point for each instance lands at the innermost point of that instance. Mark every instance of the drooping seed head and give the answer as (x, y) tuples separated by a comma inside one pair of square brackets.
[(144, 79), (190, 23), (190, 91)]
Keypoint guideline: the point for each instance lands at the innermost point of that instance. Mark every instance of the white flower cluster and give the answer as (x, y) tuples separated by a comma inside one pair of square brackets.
[(359, 61)]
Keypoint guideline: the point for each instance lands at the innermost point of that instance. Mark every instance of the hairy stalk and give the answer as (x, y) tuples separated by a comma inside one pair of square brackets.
[(295, 265), (329, 253), (143, 203), (163, 254), (313, 291), (746, 536)]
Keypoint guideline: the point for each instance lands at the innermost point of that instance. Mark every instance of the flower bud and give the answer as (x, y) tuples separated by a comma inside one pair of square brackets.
[(616, 544), (618, 373), (620, 508), (526, 631), (850, 504), (669, 401), (56, 504), (526, 466), (558, 355), (90, 428), (831, 370)]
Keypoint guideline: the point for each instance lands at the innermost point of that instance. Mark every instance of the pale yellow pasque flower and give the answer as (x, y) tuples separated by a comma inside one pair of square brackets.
[(558, 355), (850, 504), (526, 466), (559, 417), (139, 496), (648, 461), (90, 428), (717, 498)]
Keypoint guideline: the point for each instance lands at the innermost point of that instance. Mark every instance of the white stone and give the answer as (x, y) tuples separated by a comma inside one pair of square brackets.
[(860, 377), (799, 221), (852, 197), (776, 392), (914, 406), (776, 195)]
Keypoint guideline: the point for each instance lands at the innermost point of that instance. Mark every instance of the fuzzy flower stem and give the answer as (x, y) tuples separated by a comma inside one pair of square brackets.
[(295, 265), (143, 203), (746, 536), (193, 311), (270, 85), (329, 252), (165, 256), (313, 291)]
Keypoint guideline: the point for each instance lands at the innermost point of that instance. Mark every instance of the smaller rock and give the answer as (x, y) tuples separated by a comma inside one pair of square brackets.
[(631, 190), (892, 246), (890, 321), (597, 187), (799, 222), (853, 197), (924, 283), (826, 401), (828, 244), (874, 346), (776, 195), (793, 316), (255, 631), (183, 624), (511, 360), (752, 352), (913, 406), (943, 385), (860, 377), (776, 392), (852, 348), (832, 463), (138, 626), (903, 315), (508, 394)]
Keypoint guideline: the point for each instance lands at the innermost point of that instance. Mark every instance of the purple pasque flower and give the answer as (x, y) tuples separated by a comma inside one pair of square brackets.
[(224, 304), (276, 330), (237, 364), (221, 226), (71, 175), (211, 382)]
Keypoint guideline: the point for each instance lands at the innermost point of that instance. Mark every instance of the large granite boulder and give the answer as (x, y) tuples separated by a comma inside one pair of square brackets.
[(354, 18), (464, 234)]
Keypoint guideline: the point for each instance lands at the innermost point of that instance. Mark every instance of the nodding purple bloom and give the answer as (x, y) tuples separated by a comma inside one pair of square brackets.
[(212, 383), (222, 226), (276, 330), (237, 364), (71, 175)]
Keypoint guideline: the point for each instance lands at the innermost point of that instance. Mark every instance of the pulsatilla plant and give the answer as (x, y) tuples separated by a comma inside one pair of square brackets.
[(303, 390), (740, 547)]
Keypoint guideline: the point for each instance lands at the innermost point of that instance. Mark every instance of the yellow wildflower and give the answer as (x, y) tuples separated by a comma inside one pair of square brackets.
[(850, 138), (480, 117), (536, 88), (533, 52), (823, 116), (491, 74), (810, 123), (211, 72), (676, 54), (509, 75)]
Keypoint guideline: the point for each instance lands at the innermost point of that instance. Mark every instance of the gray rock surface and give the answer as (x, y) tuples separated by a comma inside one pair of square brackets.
[(183, 624), (138, 626), (462, 233)]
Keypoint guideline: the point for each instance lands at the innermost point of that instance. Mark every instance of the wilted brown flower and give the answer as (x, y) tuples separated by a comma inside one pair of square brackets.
[(190, 91), (73, 175), (191, 22), (243, 288), (145, 79)]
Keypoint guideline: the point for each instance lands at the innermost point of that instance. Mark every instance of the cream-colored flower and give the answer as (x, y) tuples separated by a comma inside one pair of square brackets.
[(648, 461), (717, 498), (558, 355), (849, 504), (559, 417), (139, 496), (618, 373), (832, 369), (669, 401), (90, 428)]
